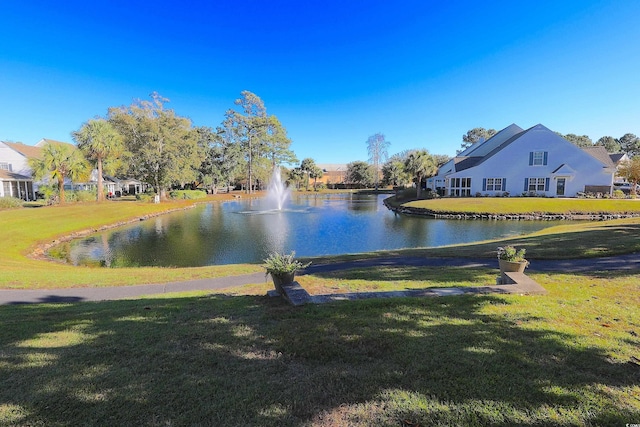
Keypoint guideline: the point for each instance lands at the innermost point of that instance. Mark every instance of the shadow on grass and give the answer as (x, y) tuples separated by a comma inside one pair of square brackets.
[(231, 361)]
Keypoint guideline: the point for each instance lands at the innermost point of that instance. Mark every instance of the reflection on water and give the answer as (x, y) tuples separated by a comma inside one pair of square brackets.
[(245, 231)]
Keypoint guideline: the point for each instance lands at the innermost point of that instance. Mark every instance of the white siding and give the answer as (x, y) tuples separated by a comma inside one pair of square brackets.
[(17, 161), (512, 163)]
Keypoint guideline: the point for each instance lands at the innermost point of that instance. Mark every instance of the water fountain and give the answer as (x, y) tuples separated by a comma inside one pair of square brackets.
[(277, 192)]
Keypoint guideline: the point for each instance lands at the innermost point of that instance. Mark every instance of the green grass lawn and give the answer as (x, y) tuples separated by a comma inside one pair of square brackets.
[(241, 358), (527, 205), (24, 229), (238, 358)]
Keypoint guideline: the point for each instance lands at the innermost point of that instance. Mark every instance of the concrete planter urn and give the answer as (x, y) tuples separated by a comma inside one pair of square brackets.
[(282, 269), (511, 260), (512, 266), (280, 280)]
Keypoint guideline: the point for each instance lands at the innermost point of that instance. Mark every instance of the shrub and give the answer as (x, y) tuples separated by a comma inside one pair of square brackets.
[(187, 194), (49, 194), (10, 203), (403, 194), (145, 197), (619, 194), (84, 195)]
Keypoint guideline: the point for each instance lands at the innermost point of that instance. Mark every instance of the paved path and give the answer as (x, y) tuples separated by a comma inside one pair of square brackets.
[(624, 262)]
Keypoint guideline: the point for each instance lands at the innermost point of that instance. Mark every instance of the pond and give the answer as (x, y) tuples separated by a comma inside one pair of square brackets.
[(246, 231)]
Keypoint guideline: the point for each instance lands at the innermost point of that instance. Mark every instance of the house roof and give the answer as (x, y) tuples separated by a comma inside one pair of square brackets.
[(484, 150), (29, 151), (481, 149), (564, 169), (462, 163), (12, 176), (601, 154), (329, 167), (616, 157)]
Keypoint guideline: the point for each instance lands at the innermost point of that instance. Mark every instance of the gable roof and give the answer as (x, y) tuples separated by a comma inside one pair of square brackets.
[(616, 157), (463, 163), (29, 151), (481, 149), (484, 150), (600, 153)]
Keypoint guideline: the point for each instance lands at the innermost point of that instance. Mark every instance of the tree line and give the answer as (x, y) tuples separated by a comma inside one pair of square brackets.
[(150, 142)]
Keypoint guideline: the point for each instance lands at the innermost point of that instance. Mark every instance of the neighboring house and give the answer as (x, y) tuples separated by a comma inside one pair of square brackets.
[(618, 159), (130, 186), (331, 174), (535, 161), (15, 174)]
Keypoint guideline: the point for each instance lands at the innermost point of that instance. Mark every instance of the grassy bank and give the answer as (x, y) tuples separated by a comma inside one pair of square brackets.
[(565, 359), (237, 358), (23, 230), (527, 205)]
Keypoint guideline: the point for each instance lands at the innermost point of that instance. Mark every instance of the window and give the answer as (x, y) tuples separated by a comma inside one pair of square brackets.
[(494, 184), (536, 184), (5, 166), (538, 158), (460, 187)]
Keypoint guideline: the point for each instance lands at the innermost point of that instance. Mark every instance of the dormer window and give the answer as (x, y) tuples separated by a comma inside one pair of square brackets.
[(538, 158), (5, 166)]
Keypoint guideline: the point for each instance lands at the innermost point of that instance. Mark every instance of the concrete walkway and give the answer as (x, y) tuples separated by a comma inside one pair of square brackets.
[(624, 262), (516, 283)]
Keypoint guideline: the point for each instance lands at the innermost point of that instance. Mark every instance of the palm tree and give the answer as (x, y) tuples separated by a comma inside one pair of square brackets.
[(59, 161), (316, 173), (307, 166), (420, 164), (99, 141)]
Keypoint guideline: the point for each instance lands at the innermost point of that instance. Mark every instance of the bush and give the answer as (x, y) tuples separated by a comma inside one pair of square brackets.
[(84, 196), (188, 194), (321, 186), (49, 193), (10, 203), (403, 194), (145, 197), (619, 194)]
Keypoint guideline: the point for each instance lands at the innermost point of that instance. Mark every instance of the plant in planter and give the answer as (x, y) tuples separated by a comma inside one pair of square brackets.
[(511, 260), (282, 268)]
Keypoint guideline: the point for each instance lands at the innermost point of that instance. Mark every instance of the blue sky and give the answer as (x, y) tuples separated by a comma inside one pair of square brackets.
[(334, 72)]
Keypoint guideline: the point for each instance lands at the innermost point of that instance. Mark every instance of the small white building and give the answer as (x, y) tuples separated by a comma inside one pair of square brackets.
[(536, 161)]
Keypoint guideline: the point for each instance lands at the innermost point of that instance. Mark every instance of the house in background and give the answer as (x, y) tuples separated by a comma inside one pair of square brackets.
[(536, 161), (15, 174), (332, 175)]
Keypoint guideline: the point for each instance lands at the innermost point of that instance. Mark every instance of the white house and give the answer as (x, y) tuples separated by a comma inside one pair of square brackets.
[(534, 161), (15, 174)]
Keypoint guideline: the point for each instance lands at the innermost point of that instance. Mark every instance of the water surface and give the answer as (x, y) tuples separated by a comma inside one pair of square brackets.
[(246, 231)]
